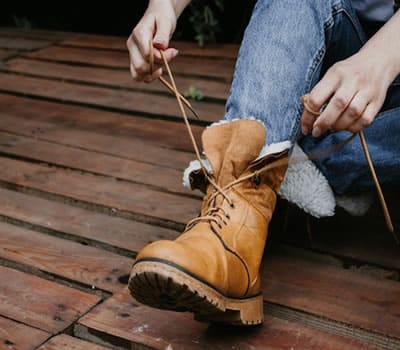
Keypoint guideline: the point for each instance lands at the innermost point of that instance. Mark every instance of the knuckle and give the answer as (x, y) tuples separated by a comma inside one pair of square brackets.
[(354, 128), (137, 34), (337, 68), (141, 69), (313, 103), (340, 102), (366, 122), (354, 111)]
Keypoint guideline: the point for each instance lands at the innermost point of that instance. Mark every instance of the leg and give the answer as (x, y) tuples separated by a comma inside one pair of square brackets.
[(286, 47)]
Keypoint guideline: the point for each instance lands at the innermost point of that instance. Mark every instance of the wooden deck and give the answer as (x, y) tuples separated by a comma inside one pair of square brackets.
[(90, 172)]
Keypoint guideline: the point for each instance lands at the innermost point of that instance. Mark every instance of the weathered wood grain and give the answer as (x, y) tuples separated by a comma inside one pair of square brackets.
[(184, 47), (38, 34), (66, 156), (39, 303), (66, 342), (129, 197), (81, 223), (17, 336), (170, 135), (113, 78), (124, 148), (22, 43), (120, 100), (194, 66), (157, 329), (4, 54), (71, 260), (309, 283)]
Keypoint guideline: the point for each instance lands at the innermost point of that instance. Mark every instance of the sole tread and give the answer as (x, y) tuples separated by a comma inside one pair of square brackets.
[(165, 287)]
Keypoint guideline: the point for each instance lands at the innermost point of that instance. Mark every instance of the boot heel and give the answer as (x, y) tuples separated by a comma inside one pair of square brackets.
[(237, 312)]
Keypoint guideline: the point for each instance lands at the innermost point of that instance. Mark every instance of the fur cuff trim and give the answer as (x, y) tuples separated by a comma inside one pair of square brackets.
[(194, 165), (356, 204), (226, 121), (305, 186), (274, 148)]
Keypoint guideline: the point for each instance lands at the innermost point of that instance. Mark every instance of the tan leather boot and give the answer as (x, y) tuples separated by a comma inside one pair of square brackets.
[(212, 269)]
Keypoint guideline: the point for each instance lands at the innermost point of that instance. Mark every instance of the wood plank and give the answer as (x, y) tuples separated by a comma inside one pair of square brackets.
[(134, 198), (185, 48), (39, 303), (172, 135), (17, 336), (305, 281), (195, 66), (122, 148), (23, 44), (364, 241), (156, 329), (38, 34), (113, 77), (82, 223), (66, 156), (120, 100), (66, 342), (71, 260), (5, 54)]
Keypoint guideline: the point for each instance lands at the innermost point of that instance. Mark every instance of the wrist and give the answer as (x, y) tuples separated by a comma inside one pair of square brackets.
[(176, 5)]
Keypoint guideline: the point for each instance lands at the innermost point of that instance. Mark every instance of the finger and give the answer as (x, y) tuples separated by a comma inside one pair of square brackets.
[(352, 113), (323, 91), (337, 104), (163, 33), (366, 119), (142, 35), (149, 78), (169, 54), (139, 64), (308, 117)]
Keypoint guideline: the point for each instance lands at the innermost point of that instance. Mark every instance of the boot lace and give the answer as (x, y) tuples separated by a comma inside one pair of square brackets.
[(216, 213)]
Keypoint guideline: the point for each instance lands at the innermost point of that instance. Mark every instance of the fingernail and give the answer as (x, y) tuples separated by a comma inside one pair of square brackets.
[(316, 132), (159, 44), (304, 130)]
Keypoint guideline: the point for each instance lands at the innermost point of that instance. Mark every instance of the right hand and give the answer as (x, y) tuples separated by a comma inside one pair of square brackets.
[(156, 26)]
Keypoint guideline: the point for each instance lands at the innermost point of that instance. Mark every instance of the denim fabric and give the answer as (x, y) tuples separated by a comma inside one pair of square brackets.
[(287, 47)]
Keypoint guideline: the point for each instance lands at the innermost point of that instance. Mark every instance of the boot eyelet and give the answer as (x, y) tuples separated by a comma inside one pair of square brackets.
[(232, 206), (227, 216), (256, 179)]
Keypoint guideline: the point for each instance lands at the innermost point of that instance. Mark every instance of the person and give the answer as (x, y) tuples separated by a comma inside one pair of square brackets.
[(292, 52)]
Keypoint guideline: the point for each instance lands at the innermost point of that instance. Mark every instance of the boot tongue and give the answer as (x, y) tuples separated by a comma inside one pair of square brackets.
[(230, 147)]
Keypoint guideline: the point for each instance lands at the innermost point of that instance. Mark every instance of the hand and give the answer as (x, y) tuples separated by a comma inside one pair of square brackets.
[(156, 26), (351, 94)]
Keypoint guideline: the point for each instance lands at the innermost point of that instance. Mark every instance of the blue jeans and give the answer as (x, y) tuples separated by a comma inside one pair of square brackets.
[(287, 47)]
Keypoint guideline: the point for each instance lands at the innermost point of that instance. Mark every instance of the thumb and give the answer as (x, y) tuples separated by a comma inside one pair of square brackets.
[(164, 30)]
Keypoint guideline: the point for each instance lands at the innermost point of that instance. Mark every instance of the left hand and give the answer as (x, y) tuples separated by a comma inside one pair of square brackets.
[(352, 92)]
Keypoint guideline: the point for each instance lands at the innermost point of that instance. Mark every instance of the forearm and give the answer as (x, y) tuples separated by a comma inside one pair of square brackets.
[(178, 5), (385, 46)]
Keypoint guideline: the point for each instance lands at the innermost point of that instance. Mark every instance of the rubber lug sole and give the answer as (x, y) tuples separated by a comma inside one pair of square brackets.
[(165, 287)]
